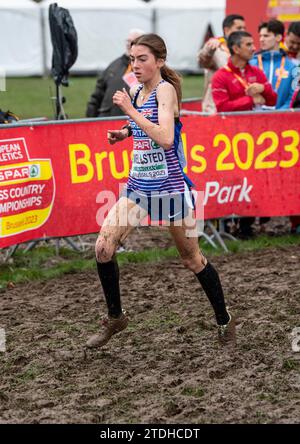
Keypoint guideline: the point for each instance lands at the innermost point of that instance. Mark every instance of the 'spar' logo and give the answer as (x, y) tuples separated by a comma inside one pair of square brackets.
[(34, 171)]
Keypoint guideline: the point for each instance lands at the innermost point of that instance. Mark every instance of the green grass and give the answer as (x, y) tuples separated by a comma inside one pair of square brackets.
[(191, 391), (192, 86), (290, 364), (167, 320), (31, 97), (30, 374), (42, 263)]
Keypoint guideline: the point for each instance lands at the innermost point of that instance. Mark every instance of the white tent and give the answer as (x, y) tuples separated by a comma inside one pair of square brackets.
[(102, 27), (183, 25), (21, 46)]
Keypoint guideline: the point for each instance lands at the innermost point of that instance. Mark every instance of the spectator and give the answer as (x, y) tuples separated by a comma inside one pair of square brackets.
[(273, 61), (295, 103), (118, 75), (295, 220), (292, 42), (241, 87), (215, 55)]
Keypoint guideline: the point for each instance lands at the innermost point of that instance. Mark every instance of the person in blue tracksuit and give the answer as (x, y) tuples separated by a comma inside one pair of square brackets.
[(278, 68)]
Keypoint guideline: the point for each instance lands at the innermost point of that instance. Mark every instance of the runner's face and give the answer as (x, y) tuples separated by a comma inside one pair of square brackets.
[(268, 40), (144, 65)]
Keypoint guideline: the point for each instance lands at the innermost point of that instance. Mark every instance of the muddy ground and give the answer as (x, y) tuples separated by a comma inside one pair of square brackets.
[(167, 367)]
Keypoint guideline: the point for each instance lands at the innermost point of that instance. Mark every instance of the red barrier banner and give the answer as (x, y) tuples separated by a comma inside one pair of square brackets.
[(192, 105), (54, 177)]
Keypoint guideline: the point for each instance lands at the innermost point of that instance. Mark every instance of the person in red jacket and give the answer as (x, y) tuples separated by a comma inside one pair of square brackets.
[(239, 86)]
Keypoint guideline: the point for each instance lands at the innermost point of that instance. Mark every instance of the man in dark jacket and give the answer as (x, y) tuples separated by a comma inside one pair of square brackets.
[(117, 75)]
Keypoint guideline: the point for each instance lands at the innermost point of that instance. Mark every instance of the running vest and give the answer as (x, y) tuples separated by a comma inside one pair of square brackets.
[(153, 168)]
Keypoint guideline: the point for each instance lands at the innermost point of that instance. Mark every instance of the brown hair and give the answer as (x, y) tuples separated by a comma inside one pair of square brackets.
[(158, 48)]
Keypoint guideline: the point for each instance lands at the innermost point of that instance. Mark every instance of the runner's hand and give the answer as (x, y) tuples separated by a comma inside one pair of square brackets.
[(122, 100), (114, 136)]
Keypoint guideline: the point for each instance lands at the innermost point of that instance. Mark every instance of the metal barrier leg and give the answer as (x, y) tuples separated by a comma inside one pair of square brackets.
[(32, 245), (216, 234), (57, 242), (209, 240), (10, 252), (73, 245), (228, 236)]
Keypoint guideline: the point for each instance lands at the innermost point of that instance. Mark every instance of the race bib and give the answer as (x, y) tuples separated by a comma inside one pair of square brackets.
[(149, 161)]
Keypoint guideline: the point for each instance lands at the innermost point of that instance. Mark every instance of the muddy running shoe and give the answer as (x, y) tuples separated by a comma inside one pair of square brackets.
[(226, 333), (110, 326)]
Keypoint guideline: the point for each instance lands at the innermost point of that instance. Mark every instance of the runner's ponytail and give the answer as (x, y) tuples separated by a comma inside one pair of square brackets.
[(172, 77)]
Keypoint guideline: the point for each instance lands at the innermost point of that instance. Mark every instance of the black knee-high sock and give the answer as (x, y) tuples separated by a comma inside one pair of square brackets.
[(210, 281), (109, 276)]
